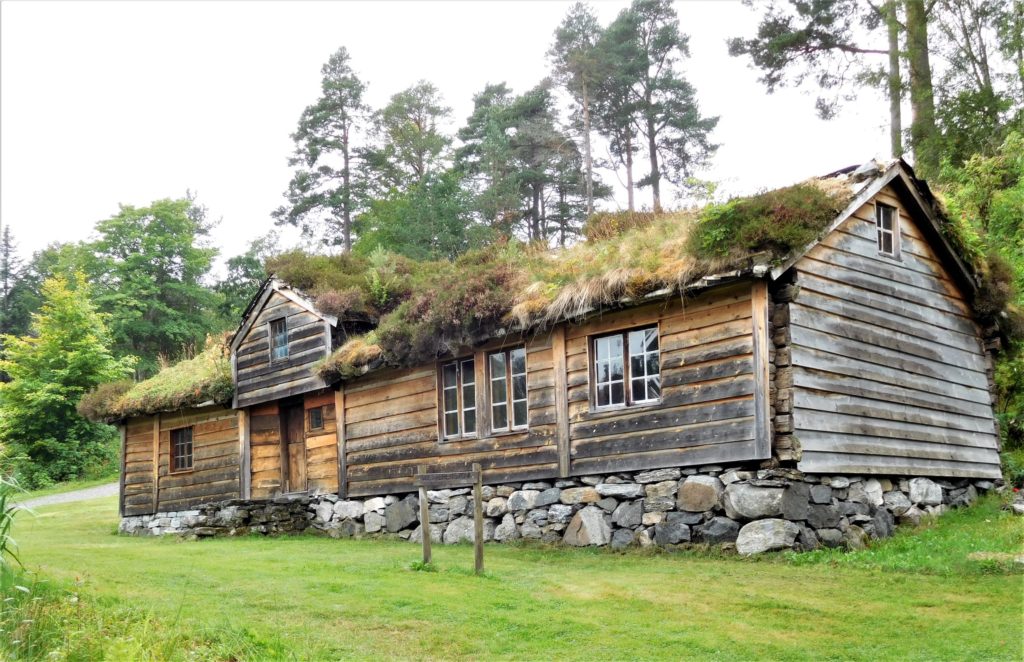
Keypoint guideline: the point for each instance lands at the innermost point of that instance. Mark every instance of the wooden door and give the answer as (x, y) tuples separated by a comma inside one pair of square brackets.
[(295, 444)]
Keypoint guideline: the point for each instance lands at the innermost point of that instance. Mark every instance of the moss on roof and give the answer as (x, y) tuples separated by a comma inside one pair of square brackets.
[(510, 287), (205, 378)]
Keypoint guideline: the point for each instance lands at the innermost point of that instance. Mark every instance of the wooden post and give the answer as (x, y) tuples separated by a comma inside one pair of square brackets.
[(244, 455), (424, 518), (478, 518), (339, 422), (156, 463), (123, 430), (762, 384), (561, 399)]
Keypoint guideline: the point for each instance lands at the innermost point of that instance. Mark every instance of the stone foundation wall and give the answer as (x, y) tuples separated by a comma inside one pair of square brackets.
[(753, 510)]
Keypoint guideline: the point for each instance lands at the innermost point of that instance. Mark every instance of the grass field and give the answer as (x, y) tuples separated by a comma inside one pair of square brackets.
[(106, 596)]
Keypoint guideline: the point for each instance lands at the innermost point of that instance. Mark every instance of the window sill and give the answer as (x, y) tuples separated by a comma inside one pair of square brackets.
[(179, 472), (607, 412)]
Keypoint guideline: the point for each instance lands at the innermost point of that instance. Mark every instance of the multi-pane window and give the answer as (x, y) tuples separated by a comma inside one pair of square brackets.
[(278, 340), (507, 375), (316, 418), (887, 222), (458, 398), (181, 449), (627, 368)]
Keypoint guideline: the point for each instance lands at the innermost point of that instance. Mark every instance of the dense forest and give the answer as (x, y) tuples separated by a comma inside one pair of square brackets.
[(376, 188)]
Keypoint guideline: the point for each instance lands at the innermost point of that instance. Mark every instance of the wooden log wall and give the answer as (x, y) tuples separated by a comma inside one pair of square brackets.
[(889, 372), (148, 484), (215, 467), (707, 411), (257, 379), (391, 426), (139, 477), (322, 444), (706, 415)]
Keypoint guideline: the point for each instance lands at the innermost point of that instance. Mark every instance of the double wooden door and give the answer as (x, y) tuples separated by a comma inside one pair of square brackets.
[(294, 448)]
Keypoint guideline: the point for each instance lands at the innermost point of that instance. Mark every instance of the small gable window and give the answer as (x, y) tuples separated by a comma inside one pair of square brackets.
[(626, 368), (887, 223), (181, 449), (507, 374), (278, 340), (316, 418), (458, 399)]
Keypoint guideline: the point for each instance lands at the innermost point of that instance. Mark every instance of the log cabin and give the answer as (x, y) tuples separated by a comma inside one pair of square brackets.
[(855, 354)]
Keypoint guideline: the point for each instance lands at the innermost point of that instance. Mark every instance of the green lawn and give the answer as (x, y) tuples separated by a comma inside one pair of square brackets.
[(316, 598)]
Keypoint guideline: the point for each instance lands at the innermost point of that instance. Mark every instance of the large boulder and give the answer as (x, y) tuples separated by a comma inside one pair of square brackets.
[(622, 538), (324, 511), (743, 501), (665, 488), (657, 476), (588, 528), (671, 531), (373, 522), (719, 530), (823, 517), (897, 502), (461, 530), (507, 529), (547, 497), (766, 535), (700, 493), (925, 492), (496, 507), (628, 514), (796, 501), (348, 510), (436, 533), (400, 514), (522, 500)]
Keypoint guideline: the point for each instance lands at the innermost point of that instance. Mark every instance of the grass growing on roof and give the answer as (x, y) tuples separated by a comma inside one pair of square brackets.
[(185, 384)]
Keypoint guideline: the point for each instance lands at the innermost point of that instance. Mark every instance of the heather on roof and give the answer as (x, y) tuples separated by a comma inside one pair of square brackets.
[(205, 378)]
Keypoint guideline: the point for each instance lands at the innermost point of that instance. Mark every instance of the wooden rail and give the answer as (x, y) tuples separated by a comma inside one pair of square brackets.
[(447, 480)]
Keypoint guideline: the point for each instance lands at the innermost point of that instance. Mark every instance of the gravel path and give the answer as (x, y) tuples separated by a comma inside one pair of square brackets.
[(78, 495)]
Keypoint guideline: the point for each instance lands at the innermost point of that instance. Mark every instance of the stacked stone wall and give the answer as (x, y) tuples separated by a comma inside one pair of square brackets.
[(752, 510)]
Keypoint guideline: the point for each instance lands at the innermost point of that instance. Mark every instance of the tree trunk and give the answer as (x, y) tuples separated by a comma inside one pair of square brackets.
[(923, 132), (629, 173), (586, 151), (535, 213), (895, 86), (346, 194), (652, 148)]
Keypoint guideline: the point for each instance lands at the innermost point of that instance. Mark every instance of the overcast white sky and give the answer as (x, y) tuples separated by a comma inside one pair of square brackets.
[(104, 103)]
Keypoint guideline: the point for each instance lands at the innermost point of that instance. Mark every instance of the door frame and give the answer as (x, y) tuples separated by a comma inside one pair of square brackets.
[(285, 407)]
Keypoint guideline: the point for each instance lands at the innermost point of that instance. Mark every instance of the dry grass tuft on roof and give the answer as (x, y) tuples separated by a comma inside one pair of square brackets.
[(191, 382), (351, 359)]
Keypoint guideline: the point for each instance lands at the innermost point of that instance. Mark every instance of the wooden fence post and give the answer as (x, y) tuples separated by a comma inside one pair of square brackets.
[(478, 518), (424, 517)]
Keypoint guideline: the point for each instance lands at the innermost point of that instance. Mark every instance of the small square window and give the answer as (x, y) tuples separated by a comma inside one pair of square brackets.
[(887, 224), (626, 368), (316, 418), (278, 340), (181, 449)]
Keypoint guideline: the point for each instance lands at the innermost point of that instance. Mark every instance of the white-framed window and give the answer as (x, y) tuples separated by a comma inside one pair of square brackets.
[(458, 399), (506, 372), (887, 223), (278, 339), (626, 368)]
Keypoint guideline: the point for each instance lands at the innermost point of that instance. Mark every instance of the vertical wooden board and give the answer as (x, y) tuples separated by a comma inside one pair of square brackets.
[(156, 463), (245, 459), (123, 432), (762, 404), (339, 408), (561, 399)]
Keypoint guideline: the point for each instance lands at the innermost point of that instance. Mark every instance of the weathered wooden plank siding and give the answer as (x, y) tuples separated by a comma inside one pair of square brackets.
[(391, 427), (322, 444), (215, 468), (707, 411), (888, 368), (265, 445), (259, 380), (138, 467)]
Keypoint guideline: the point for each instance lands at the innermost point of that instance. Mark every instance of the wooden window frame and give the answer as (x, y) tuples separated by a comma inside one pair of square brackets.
[(270, 339), (172, 457), (893, 232), (461, 407), (509, 395), (627, 385), (320, 411)]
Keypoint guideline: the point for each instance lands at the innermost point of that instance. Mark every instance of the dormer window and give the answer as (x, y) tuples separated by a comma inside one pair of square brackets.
[(278, 340), (887, 223)]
